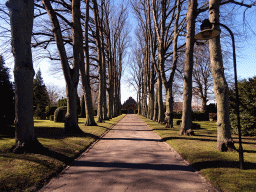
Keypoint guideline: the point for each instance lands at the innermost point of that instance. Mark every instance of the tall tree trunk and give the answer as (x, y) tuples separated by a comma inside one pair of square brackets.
[(169, 84), (111, 86), (169, 107), (224, 139), (104, 85), (160, 118), (151, 94), (100, 65), (110, 66), (115, 95), (155, 116), (84, 69), (21, 19), (71, 75), (110, 89), (185, 128)]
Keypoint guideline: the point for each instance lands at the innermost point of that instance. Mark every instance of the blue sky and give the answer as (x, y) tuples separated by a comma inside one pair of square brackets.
[(246, 60)]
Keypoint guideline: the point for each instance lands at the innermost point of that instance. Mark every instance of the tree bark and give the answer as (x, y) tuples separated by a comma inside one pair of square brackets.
[(155, 116), (151, 94), (169, 83), (84, 69), (160, 118), (21, 19), (185, 128), (71, 75), (100, 65), (224, 139)]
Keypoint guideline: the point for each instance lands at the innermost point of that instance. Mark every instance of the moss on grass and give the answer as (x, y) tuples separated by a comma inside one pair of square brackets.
[(21, 172), (221, 168)]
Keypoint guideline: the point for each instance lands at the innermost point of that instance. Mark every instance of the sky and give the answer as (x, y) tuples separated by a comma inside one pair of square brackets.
[(246, 63)]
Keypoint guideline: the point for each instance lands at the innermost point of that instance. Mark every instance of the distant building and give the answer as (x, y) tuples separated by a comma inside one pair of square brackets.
[(130, 105), (178, 106)]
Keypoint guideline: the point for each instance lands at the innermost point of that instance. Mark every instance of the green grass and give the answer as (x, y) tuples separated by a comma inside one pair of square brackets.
[(22, 172), (221, 168)]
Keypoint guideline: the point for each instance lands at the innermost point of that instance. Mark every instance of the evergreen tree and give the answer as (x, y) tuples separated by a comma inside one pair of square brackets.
[(247, 107), (62, 102), (6, 96), (41, 97)]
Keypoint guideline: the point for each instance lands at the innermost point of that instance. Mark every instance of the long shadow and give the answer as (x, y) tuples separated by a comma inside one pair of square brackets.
[(132, 139), (143, 125), (199, 135), (169, 129), (249, 151), (130, 122), (187, 138), (133, 165), (131, 130), (58, 133), (222, 164)]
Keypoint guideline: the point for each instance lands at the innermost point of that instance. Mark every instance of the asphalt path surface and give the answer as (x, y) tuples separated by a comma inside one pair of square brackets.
[(130, 157)]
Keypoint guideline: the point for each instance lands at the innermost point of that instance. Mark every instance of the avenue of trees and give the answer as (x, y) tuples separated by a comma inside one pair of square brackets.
[(165, 48), (90, 42), (89, 39)]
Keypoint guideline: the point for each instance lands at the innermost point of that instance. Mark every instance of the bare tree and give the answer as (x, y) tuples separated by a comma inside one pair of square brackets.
[(185, 128), (54, 93), (85, 72), (202, 78), (224, 139), (21, 20), (71, 75)]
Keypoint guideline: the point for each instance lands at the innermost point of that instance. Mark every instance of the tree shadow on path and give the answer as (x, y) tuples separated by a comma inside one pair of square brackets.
[(147, 166)]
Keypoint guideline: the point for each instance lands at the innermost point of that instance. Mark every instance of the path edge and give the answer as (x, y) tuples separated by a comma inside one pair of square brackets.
[(46, 181), (186, 162)]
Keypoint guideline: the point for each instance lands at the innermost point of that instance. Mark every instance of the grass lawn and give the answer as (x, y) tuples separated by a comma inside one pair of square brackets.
[(221, 168), (22, 172)]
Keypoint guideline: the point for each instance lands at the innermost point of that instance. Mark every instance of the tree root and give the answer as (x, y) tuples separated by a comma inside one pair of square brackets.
[(188, 132), (227, 145), (28, 146)]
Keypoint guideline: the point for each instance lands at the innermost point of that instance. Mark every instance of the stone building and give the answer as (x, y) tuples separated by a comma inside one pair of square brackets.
[(130, 105)]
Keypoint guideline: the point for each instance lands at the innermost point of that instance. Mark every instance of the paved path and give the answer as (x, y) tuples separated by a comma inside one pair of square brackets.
[(131, 157)]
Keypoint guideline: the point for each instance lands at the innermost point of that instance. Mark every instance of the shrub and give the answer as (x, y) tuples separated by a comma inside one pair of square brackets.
[(136, 111), (247, 123), (49, 110), (247, 107), (199, 116), (177, 115), (59, 114)]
